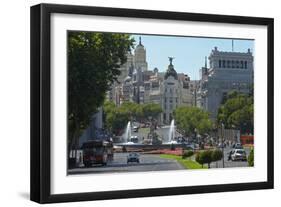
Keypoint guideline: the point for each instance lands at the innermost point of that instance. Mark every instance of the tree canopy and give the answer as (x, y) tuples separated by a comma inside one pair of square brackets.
[(190, 118), (116, 117), (237, 111), (93, 62)]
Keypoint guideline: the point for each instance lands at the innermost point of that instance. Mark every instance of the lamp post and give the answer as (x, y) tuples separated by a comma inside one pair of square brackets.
[(222, 138)]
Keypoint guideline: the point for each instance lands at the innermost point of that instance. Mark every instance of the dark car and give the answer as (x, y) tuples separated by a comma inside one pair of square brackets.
[(237, 146), (133, 157), (135, 128)]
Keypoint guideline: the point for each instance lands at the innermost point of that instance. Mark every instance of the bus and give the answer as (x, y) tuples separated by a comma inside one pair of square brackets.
[(97, 152)]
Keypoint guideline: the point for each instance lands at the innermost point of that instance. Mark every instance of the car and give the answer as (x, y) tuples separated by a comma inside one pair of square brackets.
[(135, 128), (134, 139), (239, 155), (133, 157), (237, 146), (190, 146), (221, 145)]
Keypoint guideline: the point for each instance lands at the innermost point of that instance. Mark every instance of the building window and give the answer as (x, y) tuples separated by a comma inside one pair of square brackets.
[(237, 64), (241, 64), (228, 64), (219, 63), (232, 64), (246, 64), (223, 63), (164, 117), (165, 100), (176, 100)]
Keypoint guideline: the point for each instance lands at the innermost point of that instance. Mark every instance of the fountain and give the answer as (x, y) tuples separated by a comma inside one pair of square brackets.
[(172, 131), (127, 134), (171, 134)]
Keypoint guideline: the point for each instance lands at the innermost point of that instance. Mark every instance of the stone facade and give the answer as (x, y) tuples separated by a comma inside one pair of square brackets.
[(228, 71)]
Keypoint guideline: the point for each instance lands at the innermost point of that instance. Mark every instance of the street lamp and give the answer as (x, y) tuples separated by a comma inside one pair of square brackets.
[(222, 138)]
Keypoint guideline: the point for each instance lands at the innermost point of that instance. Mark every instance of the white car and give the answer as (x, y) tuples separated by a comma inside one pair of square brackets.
[(239, 154)]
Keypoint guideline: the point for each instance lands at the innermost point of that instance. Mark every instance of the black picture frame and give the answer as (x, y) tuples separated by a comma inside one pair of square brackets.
[(41, 96)]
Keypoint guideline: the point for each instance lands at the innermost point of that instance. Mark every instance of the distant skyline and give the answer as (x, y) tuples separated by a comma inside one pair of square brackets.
[(189, 52)]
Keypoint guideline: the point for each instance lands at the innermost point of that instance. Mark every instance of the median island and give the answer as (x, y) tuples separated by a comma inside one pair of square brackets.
[(186, 163)]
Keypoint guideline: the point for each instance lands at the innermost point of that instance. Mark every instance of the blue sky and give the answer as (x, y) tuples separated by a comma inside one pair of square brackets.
[(189, 52)]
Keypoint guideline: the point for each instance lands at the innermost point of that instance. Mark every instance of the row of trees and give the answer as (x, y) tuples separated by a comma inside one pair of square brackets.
[(116, 117), (208, 156), (237, 111), (93, 61)]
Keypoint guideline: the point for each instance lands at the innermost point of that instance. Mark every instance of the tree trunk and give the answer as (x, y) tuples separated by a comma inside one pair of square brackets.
[(74, 140)]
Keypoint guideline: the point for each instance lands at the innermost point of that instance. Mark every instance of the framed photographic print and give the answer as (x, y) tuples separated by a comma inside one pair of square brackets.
[(133, 103)]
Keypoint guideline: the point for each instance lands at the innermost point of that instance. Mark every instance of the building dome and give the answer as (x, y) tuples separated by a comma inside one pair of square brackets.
[(171, 70)]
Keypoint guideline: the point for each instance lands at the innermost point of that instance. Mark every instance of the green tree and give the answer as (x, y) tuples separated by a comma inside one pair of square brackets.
[(151, 109), (187, 154), (190, 118), (204, 157), (116, 118), (217, 155), (237, 111), (251, 158), (94, 60)]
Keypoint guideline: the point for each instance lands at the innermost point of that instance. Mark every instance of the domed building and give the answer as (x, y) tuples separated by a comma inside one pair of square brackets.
[(171, 92), (137, 84)]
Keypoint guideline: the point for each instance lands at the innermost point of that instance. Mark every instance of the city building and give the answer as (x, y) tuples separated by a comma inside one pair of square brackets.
[(227, 71), (138, 84)]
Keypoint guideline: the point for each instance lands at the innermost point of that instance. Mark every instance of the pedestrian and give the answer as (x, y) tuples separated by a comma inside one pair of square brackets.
[(229, 156)]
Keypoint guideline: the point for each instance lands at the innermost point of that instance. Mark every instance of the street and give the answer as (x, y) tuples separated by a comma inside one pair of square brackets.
[(228, 164), (148, 162)]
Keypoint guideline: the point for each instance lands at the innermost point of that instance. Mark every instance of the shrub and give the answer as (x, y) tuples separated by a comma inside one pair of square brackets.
[(187, 153), (204, 157), (216, 155), (251, 158)]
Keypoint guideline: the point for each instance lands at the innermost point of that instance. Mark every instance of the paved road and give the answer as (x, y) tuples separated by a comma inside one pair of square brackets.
[(228, 164), (119, 164)]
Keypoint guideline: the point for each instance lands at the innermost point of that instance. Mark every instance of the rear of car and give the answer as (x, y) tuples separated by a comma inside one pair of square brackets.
[(239, 155)]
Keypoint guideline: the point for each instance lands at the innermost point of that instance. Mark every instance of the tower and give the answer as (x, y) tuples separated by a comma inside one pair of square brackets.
[(140, 56)]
